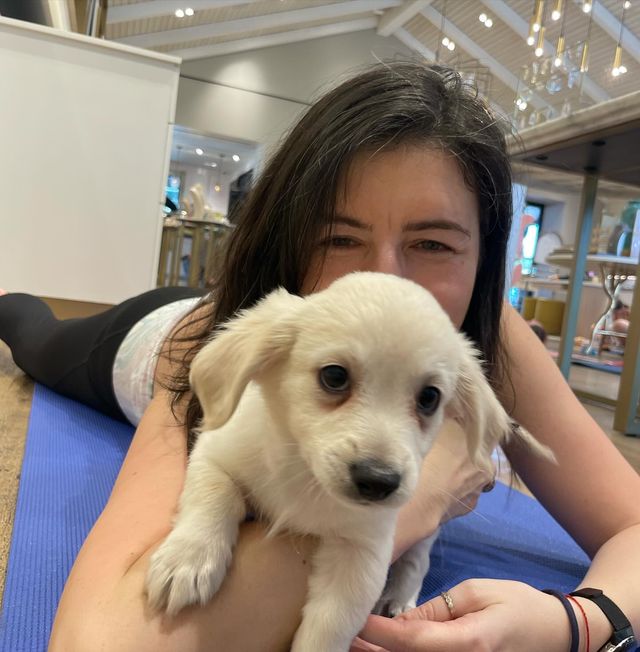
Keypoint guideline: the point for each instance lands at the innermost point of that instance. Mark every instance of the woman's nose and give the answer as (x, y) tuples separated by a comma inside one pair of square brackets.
[(387, 260)]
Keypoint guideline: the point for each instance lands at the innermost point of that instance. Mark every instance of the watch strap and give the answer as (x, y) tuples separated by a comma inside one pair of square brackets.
[(622, 629)]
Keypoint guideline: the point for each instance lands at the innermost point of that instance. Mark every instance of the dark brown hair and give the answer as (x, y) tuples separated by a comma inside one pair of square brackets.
[(292, 203)]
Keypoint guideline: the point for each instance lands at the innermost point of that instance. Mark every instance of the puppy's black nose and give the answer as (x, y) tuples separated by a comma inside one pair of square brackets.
[(373, 479)]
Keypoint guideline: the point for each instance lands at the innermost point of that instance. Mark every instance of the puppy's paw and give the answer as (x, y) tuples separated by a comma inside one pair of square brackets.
[(391, 607), (184, 571)]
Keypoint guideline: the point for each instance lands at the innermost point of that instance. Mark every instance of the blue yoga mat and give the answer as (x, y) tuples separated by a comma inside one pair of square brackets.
[(73, 455), (71, 460)]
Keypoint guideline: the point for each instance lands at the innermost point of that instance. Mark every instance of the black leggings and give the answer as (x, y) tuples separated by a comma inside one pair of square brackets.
[(75, 356)]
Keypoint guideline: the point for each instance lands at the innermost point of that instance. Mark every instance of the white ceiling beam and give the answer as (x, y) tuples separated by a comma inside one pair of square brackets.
[(255, 23), (414, 44), (611, 25), (496, 68), (155, 8), (281, 38), (521, 27), (398, 17)]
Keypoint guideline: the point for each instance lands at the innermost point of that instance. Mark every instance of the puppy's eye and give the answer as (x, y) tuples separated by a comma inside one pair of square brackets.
[(334, 378), (428, 400)]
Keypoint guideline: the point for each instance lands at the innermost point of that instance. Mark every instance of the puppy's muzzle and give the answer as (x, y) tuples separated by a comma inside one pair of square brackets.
[(374, 480)]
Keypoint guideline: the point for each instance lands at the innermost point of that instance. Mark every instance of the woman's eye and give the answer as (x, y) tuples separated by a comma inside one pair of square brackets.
[(433, 245), (334, 378), (339, 242), (428, 400)]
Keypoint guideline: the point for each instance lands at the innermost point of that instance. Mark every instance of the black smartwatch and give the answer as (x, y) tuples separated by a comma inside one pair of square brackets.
[(623, 638)]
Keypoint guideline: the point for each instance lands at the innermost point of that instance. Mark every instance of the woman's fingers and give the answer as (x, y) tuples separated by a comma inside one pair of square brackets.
[(417, 635), (358, 645)]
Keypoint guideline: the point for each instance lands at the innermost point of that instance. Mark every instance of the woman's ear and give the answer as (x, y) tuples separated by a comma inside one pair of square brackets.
[(247, 344)]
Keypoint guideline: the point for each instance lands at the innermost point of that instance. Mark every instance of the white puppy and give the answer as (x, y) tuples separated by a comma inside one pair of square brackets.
[(318, 412)]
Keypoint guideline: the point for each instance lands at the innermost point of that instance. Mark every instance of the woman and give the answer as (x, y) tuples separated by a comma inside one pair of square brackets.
[(400, 170)]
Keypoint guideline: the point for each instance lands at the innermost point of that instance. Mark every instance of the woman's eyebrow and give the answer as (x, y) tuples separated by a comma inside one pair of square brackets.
[(422, 225), (352, 222), (448, 225)]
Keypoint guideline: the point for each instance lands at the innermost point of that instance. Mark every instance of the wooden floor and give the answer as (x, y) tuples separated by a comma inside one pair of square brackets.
[(15, 401)]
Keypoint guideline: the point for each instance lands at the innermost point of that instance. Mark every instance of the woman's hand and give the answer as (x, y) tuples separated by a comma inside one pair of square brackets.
[(489, 615)]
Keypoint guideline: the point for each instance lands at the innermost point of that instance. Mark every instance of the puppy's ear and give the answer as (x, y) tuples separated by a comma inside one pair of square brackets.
[(477, 409), (248, 344)]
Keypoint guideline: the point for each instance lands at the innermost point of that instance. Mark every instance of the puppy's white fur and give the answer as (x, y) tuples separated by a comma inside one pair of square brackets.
[(273, 439)]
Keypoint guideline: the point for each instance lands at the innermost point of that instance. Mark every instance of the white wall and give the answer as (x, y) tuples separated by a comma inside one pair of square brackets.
[(85, 127), (257, 95), (560, 212)]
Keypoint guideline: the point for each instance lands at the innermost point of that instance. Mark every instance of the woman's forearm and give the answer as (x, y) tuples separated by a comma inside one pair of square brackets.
[(615, 570), (258, 607)]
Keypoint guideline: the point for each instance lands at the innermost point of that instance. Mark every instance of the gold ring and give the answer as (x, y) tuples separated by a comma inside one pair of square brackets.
[(449, 602)]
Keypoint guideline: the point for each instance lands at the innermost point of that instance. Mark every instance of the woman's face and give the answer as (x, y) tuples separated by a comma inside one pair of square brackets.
[(407, 212)]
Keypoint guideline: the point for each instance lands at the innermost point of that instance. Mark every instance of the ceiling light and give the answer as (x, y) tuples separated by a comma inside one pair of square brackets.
[(488, 23), (179, 13), (556, 14), (540, 44), (445, 42), (451, 46), (559, 51), (199, 151), (626, 4), (530, 40), (189, 11), (216, 188), (482, 17), (586, 6), (618, 67), (235, 157), (536, 27)]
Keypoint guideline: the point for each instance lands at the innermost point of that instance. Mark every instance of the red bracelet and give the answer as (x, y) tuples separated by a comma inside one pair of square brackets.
[(584, 615)]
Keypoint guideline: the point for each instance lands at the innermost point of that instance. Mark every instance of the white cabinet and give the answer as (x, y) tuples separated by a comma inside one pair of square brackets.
[(85, 134)]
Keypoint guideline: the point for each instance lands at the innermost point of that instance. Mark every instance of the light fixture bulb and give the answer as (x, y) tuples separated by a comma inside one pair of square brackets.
[(216, 188), (626, 4), (445, 42), (189, 11), (530, 40), (523, 105), (557, 62), (540, 44), (622, 69), (586, 7), (536, 27), (488, 23), (482, 17), (451, 46), (555, 15), (199, 151), (179, 13), (615, 72), (235, 157)]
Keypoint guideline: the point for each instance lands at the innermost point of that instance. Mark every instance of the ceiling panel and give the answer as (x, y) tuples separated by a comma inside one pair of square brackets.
[(502, 48)]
